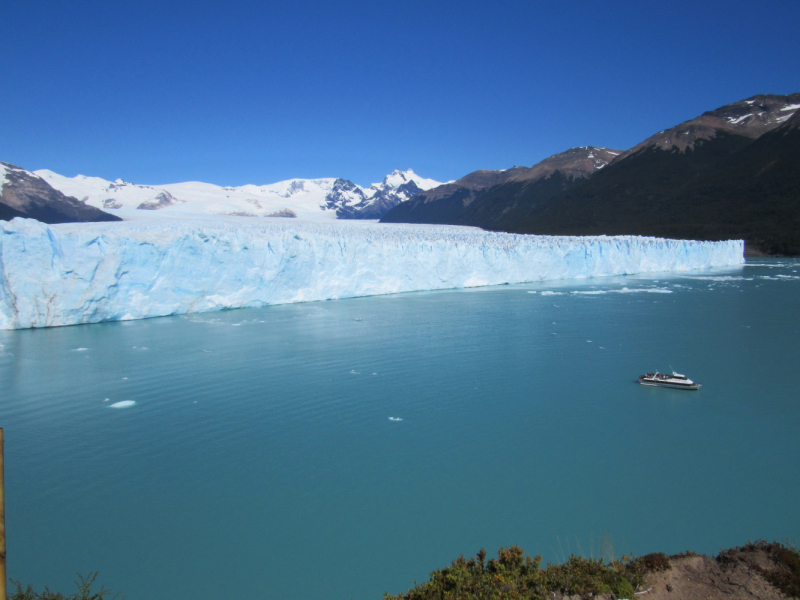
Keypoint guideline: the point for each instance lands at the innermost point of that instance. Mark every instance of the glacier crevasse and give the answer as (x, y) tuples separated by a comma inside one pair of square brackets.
[(91, 272)]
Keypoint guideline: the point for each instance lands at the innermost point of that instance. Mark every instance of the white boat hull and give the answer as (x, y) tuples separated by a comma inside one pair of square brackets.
[(677, 386)]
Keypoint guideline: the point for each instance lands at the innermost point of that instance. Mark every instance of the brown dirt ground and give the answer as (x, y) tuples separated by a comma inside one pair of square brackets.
[(702, 577)]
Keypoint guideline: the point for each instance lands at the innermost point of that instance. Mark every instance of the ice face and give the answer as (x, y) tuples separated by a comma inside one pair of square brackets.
[(91, 272)]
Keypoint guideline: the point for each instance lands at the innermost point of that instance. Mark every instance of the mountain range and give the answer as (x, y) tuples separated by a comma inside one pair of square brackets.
[(310, 199), (53, 198), (733, 172)]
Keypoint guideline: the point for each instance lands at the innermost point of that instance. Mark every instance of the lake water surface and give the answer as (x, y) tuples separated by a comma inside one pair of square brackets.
[(254, 456)]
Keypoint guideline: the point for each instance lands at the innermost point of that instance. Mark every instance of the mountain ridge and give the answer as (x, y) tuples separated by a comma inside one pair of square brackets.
[(733, 184), (731, 172), (450, 202)]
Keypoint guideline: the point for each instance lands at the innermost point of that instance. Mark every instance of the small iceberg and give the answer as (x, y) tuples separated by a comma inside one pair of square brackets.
[(123, 404), (395, 419), (80, 349)]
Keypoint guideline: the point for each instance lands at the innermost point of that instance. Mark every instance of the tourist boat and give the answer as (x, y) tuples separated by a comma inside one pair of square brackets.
[(676, 380)]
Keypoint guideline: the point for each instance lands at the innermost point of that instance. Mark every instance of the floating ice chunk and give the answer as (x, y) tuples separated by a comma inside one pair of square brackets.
[(123, 404), (719, 278), (626, 290), (549, 293), (395, 419), (775, 266), (531, 292), (80, 349)]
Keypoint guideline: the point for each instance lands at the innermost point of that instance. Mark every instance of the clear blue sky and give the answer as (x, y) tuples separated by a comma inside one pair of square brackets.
[(256, 92)]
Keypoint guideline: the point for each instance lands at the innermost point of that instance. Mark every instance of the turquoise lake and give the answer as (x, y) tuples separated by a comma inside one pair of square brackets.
[(256, 457)]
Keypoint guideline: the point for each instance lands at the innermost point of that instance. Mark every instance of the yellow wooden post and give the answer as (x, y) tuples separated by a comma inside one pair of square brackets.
[(2, 525)]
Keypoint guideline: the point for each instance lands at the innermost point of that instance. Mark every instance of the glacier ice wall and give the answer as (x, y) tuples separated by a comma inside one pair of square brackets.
[(91, 272)]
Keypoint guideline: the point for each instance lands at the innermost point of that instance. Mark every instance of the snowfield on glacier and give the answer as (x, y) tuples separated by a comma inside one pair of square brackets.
[(90, 272), (308, 199)]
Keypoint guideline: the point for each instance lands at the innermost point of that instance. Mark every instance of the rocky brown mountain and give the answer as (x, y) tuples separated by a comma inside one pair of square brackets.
[(749, 118), (459, 202), (732, 172), (734, 176), (24, 194)]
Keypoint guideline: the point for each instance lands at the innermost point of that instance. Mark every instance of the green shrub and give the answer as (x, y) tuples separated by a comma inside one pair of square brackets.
[(512, 575), (624, 589)]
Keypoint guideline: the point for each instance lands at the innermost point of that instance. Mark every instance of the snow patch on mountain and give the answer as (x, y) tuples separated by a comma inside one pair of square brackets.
[(3, 172), (91, 272)]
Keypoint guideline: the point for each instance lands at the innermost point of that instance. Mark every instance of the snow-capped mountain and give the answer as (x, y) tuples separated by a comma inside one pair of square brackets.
[(353, 202), (308, 199)]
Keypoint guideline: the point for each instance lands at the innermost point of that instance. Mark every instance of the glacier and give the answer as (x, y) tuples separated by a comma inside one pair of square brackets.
[(91, 272)]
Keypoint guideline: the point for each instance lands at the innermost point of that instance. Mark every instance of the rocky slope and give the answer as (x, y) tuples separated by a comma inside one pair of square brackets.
[(731, 172), (748, 118), (721, 176), (24, 194), (463, 202)]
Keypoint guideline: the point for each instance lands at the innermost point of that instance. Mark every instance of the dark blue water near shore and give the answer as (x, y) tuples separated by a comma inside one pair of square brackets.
[(259, 461)]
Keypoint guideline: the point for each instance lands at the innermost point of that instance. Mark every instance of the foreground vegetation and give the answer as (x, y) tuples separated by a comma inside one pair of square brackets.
[(84, 585), (515, 576), (512, 575)]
